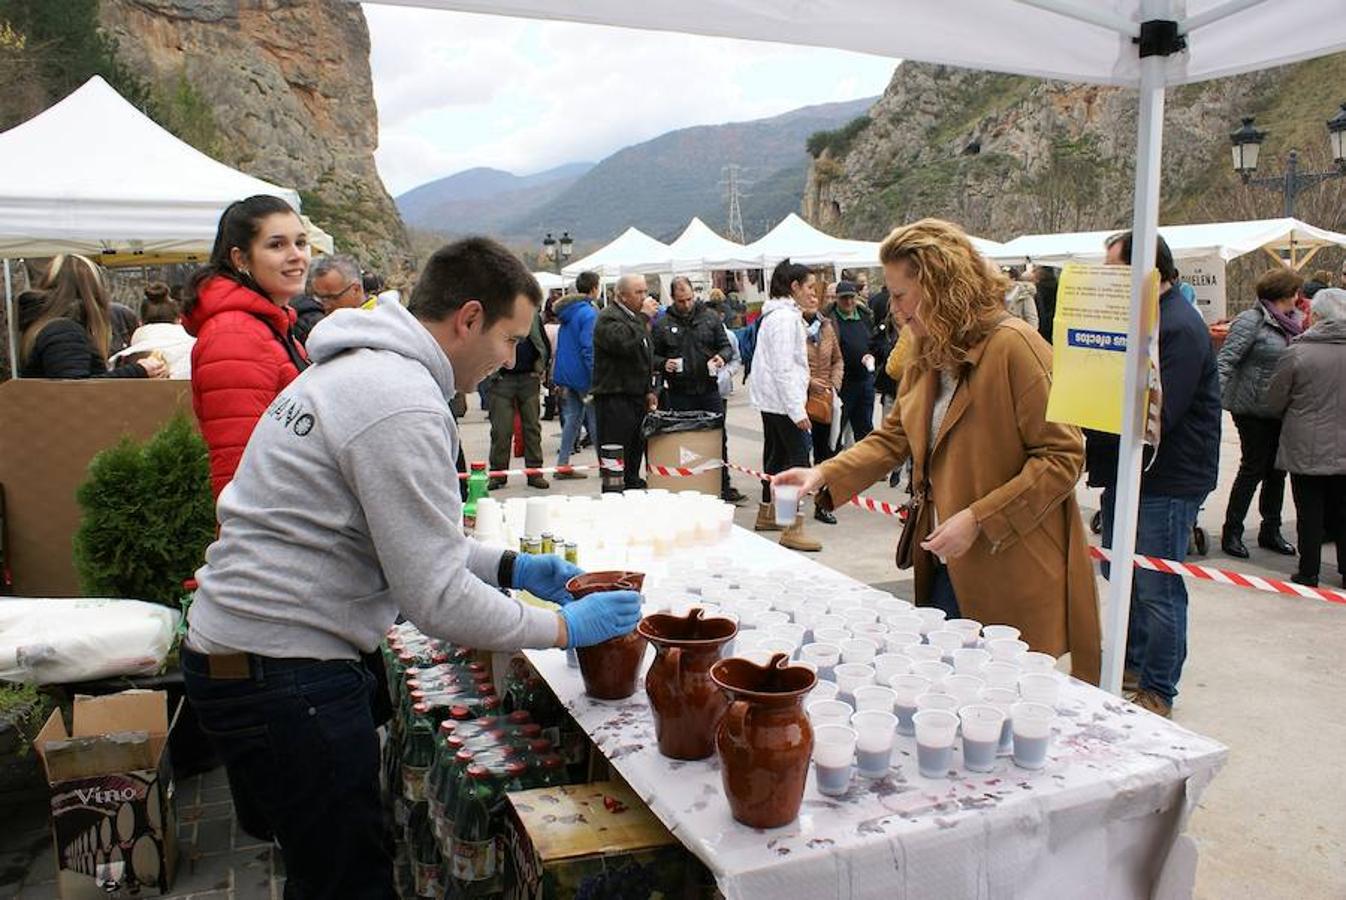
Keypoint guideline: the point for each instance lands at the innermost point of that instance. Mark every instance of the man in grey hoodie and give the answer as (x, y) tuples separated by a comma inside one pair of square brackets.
[(345, 512)]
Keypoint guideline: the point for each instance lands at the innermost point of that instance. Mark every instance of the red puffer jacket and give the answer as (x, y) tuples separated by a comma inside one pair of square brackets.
[(240, 362)]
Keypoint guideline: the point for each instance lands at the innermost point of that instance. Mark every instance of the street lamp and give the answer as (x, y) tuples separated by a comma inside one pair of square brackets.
[(1246, 141), (558, 251)]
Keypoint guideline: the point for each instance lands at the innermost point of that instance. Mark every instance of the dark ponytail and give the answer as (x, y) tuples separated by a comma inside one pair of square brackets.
[(785, 274), (239, 225)]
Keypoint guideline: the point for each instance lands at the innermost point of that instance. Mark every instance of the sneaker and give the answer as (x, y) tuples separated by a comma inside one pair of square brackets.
[(1130, 681), (824, 516), (538, 481), (571, 476), (496, 484), (1152, 702)]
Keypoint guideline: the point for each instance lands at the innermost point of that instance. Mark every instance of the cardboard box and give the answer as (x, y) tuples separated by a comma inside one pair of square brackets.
[(686, 450), (112, 809), (49, 432), (590, 840)]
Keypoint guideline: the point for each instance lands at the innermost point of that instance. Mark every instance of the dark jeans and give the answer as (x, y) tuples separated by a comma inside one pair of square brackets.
[(522, 393), (299, 744), (822, 447), (857, 406), (711, 402), (575, 411), (1258, 440), (784, 446), (1156, 637), (941, 593), (620, 417), (1320, 505)]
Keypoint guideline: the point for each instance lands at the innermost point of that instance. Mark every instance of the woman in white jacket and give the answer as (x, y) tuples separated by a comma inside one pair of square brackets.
[(778, 386), (162, 332)]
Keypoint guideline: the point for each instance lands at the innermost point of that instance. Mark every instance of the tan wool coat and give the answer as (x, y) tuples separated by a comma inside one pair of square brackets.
[(996, 453)]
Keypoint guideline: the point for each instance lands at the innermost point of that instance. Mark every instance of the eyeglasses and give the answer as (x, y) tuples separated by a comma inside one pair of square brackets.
[(332, 298)]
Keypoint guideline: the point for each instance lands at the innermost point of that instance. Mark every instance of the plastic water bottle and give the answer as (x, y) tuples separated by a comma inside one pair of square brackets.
[(477, 488)]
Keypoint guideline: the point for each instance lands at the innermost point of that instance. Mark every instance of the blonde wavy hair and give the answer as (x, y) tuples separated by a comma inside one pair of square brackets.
[(963, 294)]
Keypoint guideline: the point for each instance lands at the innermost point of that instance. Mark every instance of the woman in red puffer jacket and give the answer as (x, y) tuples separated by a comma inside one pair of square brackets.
[(237, 307)]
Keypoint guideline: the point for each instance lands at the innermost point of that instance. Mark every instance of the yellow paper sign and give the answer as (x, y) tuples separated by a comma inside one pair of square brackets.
[(1089, 344)]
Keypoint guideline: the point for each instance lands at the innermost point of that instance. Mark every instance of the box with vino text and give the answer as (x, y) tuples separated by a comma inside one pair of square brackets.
[(112, 809)]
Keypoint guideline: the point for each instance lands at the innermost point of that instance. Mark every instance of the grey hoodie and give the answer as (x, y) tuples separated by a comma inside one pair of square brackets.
[(345, 510)]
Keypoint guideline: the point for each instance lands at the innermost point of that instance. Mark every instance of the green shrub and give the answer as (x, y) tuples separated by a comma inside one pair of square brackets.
[(148, 516), (838, 140)]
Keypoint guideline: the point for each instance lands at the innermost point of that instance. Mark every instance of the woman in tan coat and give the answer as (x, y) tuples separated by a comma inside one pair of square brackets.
[(999, 536)]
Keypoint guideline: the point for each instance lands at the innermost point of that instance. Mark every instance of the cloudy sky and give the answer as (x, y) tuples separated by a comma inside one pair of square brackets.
[(456, 90)]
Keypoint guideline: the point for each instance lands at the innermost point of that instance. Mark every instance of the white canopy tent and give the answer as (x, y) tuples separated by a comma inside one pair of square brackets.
[(699, 249), (1146, 45), (1227, 240), (549, 281), (800, 242), (630, 249)]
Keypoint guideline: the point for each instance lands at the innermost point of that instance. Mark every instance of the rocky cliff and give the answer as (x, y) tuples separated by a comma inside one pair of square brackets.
[(1006, 155), (278, 88)]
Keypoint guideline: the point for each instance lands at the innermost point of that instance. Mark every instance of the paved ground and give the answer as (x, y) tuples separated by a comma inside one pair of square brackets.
[(1263, 676)]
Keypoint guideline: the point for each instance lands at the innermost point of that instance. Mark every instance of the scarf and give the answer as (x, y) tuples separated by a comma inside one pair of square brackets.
[(1290, 324), (814, 328)]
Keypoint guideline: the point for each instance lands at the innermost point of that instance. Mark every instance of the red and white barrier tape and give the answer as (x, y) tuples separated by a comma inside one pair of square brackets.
[(1222, 576)]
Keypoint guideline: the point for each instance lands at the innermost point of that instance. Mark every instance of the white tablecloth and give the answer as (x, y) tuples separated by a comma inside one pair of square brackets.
[(1104, 819)]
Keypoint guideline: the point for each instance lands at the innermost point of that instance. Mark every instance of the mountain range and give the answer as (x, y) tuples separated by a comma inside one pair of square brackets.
[(657, 185)]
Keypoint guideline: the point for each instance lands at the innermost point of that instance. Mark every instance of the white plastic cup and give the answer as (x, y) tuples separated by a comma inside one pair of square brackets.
[(874, 731), (859, 615), (1004, 650), (850, 676), (933, 669), (932, 618), (875, 631), (906, 688), (828, 620), (935, 730), (1032, 734), (772, 644), (970, 629), (886, 665), (836, 636), (772, 617), (893, 606), (833, 750), (934, 699), (874, 696), (947, 640), (824, 656), (1040, 687), (897, 641), (788, 631), (786, 497), (830, 712), (822, 690), (1033, 661), (970, 661), (923, 653), (677, 363), (907, 622), (859, 650), (1003, 699), (1002, 674), (1000, 633), (967, 688), (536, 518), (750, 611), (982, 724)]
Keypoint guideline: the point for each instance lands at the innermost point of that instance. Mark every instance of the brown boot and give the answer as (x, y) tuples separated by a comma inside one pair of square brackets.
[(795, 538), (766, 518)]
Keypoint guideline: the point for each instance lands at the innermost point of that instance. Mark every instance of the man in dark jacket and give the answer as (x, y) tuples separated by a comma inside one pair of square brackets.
[(574, 369), (334, 282), (1175, 481), (690, 348), (518, 388), (623, 386), (860, 349)]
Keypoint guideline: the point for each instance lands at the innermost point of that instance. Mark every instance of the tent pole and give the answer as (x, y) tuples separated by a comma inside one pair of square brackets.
[(11, 325), (1145, 228)]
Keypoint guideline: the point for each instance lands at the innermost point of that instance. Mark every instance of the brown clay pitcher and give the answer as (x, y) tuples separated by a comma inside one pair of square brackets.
[(611, 670), (687, 705), (764, 739)]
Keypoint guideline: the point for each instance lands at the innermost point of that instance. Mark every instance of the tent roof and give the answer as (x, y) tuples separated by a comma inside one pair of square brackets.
[(549, 280), (698, 249), (631, 248), (800, 242), (1074, 40), (1227, 239), (93, 173)]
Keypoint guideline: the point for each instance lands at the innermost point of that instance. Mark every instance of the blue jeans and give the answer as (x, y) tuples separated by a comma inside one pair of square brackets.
[(942, 595), (857, 406), (1156, 637), (298, 740), (574, 410)]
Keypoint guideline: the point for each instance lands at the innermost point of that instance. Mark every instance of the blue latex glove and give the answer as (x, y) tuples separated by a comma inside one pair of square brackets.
[(545, 577), (600, 617)]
